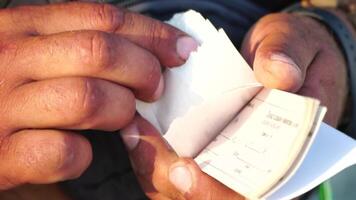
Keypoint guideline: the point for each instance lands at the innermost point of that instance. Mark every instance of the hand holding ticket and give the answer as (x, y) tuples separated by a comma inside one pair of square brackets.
[(252, 139)]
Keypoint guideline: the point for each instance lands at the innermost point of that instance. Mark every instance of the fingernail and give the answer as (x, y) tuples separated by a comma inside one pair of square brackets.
[(185, 45), (130, 135), (281, 57), (181, 177), (159, 89)]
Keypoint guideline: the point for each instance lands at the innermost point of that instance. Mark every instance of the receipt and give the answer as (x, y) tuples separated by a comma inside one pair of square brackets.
[(205, 93)]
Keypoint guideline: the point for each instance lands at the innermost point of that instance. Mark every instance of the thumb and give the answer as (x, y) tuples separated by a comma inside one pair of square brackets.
[(164, 175), (279, 64), (279, 52), (187, 177)]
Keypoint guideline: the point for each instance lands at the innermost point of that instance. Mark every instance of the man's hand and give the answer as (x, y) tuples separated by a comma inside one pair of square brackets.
[(298, 54), (164, 175), (287, 52), (70, 67)]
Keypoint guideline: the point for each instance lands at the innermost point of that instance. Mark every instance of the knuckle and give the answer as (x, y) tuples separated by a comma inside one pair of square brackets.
[(58, 152), (85, 99), (54, 153), (108, 17), (47, 157), (96, 52), (156, 33)]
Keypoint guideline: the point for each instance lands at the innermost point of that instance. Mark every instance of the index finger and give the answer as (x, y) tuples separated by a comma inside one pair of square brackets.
[(162, 173), (170, 45)]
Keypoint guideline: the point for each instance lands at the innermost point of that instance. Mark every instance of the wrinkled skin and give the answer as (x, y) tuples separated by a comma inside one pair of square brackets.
[(64, 70), (287, 52), (71, 67)]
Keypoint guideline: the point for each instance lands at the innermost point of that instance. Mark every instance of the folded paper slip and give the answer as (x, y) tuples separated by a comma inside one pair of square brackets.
[(257, 141)]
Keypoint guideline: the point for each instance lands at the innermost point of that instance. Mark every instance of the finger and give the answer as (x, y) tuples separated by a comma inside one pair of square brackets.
[(280, 52), (42, 156), (161, 171), (146, 151), (69, 103), (91, 54), (170, 45)]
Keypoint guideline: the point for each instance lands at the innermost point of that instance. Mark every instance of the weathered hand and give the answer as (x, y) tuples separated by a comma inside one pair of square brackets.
[(297, 54), (164, 175), (287, 52), (75, 66)]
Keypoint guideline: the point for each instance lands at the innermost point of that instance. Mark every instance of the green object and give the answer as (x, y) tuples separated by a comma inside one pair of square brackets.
[(325, 192)]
